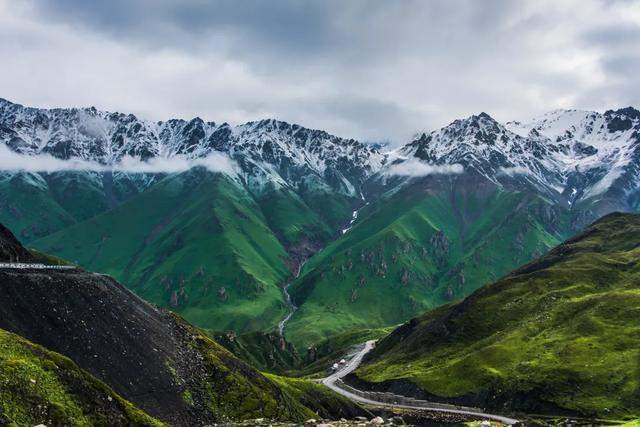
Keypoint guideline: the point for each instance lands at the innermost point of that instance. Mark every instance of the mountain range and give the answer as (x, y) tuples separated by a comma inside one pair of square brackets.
[(386, 234)]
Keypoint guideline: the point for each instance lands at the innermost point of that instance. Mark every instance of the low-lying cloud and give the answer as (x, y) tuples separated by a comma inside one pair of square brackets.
[(514, 170), (416, 168), (215, 162)]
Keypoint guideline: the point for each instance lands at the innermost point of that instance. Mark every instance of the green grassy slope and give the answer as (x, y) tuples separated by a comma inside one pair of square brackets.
[(42, 387), (325, 402), (321, 356), (292, 220), (195, 242), (414, 251), (236, 391), (266, 351), (200, 244), (28, 208), (270, 353), (153, 357), (334, 209), (35, 205), (560, 334)]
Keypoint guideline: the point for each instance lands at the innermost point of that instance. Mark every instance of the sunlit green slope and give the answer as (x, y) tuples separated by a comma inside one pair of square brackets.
[(194, 242), (199, 243), (416, 250), (561, 334), (38, 386)]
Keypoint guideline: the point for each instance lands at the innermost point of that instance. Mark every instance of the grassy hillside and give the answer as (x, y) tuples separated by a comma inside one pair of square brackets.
[(28, 208), (35, 205), (418, 249), (194, 242), (200, 244), (38, 386), (321, 356), (266, 351), (271, 353), (561, 334), (325, 402), (292, 220)]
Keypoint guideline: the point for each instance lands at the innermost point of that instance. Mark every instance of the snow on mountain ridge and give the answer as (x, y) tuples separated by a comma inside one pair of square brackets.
[(577, 154), (580, 154), (263, 148), (603, 145), (483, 145)]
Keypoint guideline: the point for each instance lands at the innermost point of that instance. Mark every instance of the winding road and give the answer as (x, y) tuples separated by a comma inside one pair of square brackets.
[(332, 382)]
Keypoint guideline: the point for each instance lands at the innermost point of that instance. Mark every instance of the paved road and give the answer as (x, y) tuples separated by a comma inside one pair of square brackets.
[(355, 361), (37, 266)]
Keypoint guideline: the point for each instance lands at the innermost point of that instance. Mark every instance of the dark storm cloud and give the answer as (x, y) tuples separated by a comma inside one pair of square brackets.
[(622, 65), (373, 69), (366, 29), (614, 35), (303, 26)]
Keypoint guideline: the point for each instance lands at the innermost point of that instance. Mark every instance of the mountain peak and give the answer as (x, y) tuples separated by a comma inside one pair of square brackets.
[(6, 103), (629, 112), (485, 116)]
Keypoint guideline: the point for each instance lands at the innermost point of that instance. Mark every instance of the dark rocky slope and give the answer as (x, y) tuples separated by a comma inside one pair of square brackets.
[(10, 248), (148, 355)]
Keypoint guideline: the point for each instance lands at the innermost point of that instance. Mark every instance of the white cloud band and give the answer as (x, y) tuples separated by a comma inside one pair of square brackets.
[(416, 168), (215, 162)]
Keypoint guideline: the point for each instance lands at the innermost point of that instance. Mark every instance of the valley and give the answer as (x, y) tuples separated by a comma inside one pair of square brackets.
[(319, 213), (334, 382), (418, 241), (131, 361), (285, 247), (290, 305)]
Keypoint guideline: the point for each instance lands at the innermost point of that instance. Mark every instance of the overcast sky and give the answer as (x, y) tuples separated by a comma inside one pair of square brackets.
[(374, 70)]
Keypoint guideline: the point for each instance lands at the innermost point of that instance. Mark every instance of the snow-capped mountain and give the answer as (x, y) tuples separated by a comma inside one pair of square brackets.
[(567, 155), (267, 150), (597, 153), (574, 155), (484, 146)]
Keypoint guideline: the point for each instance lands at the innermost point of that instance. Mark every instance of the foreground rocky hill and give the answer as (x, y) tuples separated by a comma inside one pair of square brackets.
[(148, 355), (559, 335)]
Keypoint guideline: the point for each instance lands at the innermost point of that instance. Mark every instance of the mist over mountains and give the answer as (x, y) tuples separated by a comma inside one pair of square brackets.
[(212, 220), (569, 153)]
